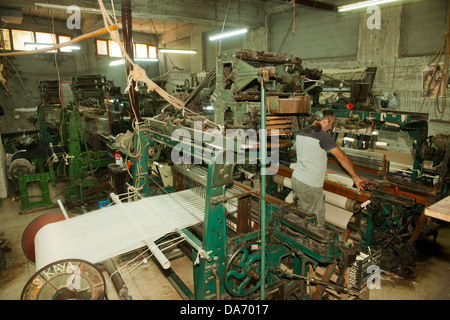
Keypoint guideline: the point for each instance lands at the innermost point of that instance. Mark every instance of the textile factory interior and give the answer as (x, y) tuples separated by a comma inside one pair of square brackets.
[(161, 150)]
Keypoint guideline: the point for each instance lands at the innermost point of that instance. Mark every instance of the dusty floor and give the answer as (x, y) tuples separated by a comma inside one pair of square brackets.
[(147, 282)]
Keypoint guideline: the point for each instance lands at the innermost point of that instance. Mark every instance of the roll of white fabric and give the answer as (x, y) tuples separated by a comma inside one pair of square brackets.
[(106, 233), (337, 216), (335, 199)]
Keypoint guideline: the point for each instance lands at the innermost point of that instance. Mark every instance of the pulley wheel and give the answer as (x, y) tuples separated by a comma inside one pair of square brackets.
[(69, 279), (19, 167), (32, 229), (242, 274), (87, 162)]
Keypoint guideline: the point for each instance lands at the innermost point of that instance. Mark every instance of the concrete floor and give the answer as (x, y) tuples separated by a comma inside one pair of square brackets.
[(148, 283)]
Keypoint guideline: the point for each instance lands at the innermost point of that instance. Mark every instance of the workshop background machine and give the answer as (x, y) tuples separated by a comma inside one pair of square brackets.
[(80, 163), (36, 164), (63, 152)]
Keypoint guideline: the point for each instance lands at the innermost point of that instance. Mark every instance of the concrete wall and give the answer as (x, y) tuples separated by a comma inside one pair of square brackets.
[(205, 59)]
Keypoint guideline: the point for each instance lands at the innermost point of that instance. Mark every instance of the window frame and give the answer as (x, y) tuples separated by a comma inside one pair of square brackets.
[(108, 55), (10, 39), (107, 48), (56, 35)]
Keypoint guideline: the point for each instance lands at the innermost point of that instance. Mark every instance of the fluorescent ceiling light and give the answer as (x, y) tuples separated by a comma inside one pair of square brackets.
[(72, 47), (227, 34), (122, 61), (32, 45), (145, 59), (362, 4), (178, 51)]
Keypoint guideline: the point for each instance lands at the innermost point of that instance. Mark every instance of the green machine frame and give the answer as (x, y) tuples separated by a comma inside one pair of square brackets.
[(231, 267)]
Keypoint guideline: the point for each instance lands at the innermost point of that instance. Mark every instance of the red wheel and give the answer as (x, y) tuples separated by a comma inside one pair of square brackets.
[(32, 229)]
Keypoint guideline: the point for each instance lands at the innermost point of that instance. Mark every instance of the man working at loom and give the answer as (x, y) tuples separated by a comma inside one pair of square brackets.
[(312, 145)]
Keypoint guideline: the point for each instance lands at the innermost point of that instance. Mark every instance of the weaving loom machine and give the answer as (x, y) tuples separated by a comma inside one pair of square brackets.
[(62, 153), (390, 213), (21, 167), (403, 182), (248, 245)]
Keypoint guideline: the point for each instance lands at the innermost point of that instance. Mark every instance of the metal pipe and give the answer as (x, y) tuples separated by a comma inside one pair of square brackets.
[(218, 295), (64, 212), (116, 279), (263, 157)]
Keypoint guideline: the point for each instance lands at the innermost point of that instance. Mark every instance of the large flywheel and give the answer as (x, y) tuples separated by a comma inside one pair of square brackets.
[(242, 274)]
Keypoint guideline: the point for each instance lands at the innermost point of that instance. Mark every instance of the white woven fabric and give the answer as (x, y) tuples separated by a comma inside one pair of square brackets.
[(117, 229)]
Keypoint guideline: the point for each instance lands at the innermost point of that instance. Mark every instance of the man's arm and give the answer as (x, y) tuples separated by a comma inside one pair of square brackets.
[(348, 165)]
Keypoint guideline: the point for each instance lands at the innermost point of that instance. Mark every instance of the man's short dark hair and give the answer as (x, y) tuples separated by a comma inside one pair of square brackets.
[(327, 113)]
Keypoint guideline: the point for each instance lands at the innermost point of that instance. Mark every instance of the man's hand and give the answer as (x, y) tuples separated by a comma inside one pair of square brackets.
[(348, 165)]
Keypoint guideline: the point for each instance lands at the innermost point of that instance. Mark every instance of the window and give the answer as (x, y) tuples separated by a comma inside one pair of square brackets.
[(152, 52), (44, 39), (114, 49), (20, 38), (62, 39), (102, 47), (5, 39), (108, 48), (140, 50), (15, 39)]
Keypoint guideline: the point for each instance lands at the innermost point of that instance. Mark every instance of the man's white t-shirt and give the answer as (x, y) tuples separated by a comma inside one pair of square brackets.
[(312, 145)]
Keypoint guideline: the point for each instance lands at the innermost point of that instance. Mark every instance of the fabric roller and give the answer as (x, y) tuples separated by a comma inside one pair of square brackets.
[(341, 201), (331, 198)]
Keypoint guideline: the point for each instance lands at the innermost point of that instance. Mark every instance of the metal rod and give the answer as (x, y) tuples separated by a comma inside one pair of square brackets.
[(263, 157), (61, 206), (116, 278)]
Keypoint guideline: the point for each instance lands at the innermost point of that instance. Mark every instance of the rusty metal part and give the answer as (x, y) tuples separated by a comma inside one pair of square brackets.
[(244, 213), (280, 125), (128, 43), (325, 278), (116, 278), (268, 57)]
